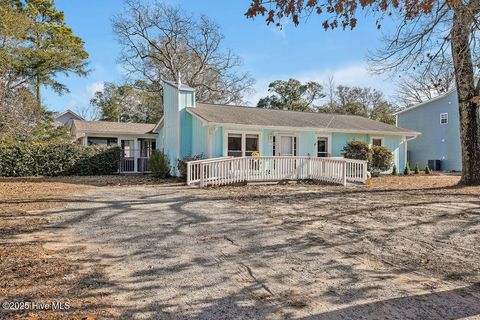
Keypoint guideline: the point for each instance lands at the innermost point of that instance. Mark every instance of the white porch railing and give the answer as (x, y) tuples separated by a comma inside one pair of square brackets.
[(230, 170), (133, 163), (127, 164)]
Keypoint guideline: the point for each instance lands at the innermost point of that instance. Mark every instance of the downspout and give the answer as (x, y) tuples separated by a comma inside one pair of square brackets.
[(179, 127), (405, 142), (406, 147)]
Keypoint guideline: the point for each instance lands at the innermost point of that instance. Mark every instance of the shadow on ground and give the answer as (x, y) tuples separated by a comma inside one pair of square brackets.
[(335, 253)]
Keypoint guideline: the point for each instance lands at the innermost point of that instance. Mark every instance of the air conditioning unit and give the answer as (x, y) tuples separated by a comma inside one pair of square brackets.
[(435, 165)]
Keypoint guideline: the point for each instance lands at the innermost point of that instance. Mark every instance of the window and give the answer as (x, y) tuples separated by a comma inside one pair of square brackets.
[(94, 141), (322, 147), (234, 145), (146, 147), (443, 118), (127, 148), (242, 144), (251, 144), (377, 142), (295, 146), (273, 145)]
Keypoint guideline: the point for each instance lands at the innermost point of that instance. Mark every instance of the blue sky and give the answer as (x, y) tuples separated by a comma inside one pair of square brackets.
[(306, 53)]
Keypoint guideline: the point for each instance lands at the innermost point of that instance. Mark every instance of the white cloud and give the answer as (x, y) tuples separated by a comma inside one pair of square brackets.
[(82, 99), (353, 75), (94, 87)]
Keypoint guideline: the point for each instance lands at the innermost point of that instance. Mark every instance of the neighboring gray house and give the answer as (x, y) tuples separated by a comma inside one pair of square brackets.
[(438, 121), (66, 117)]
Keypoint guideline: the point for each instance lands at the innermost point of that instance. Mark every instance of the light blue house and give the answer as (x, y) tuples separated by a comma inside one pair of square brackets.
[(438, 121), (190, 128)]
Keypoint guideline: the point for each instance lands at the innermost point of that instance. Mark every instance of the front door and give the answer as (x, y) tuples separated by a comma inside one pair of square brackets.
[(286, 145)]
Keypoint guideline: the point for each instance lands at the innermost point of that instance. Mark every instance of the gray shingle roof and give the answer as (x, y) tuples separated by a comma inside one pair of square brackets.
[(112, 127), (279, 118)]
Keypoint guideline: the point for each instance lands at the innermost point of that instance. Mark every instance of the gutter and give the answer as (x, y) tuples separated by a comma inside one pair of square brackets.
[(110, 133)]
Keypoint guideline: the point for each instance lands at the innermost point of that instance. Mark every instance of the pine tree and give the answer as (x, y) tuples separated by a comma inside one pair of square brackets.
[(407, 169), (50, 47), (394, 171), (427, 169)]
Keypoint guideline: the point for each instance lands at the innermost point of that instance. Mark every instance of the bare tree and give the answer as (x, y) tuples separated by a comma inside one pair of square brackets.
[(88, 112), (330, 89), (428, 31), (448, 33), (365, 102), (161, 42), (417, 87)]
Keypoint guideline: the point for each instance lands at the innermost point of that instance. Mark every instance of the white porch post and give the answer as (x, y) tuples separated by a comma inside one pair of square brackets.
[(210, 132), (136, 152), (85, 141), (202, 177), (209, 142), (309, 167)]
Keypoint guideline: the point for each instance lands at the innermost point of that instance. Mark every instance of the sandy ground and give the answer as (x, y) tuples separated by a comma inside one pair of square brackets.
[(404, 248), (31, 272)]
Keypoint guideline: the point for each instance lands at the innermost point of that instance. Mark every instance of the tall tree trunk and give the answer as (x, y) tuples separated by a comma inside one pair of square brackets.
[(37, 90), (468, 109), (38, 107)]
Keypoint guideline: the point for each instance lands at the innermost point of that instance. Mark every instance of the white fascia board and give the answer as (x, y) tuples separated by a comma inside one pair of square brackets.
[(117, 134), (160, 122)]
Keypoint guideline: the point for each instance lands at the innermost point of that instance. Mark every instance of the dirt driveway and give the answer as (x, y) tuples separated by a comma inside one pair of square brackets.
[(394, 250)]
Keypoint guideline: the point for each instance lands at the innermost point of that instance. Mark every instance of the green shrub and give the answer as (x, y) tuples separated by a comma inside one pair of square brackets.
[(407, 169), (159, 164), (427, 169), (182, 164), (394, 171), (357, 150), (381, 160), (379, 157), (416, 170), (21, 159)]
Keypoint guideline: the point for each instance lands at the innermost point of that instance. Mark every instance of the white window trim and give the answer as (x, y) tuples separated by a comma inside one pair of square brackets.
[(243, 133), (377, 137), (329, 144), (446, 114)]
